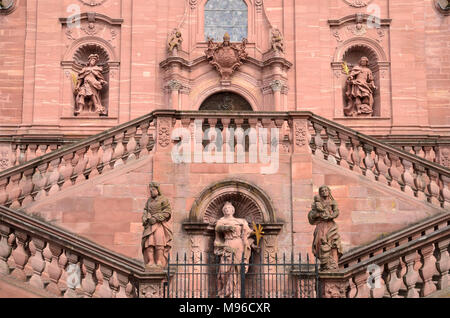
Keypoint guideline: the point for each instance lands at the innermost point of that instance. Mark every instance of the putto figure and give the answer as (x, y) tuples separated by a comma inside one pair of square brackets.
[(327, 242), (360, 90), (233, 245), (89, 84), (277, 41), (157, 236), (174, 41)]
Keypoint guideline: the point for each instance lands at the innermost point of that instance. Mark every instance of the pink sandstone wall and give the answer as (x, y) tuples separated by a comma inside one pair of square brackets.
[(12, 38), (416, 89), (108, 209)]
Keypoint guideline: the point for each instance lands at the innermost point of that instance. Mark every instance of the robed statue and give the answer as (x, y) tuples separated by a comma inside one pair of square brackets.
[(327, 242), (157, 236), (360, 90), (233, 245)]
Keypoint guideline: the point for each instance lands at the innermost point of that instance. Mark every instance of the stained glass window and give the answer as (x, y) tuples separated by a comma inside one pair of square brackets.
[(226, 16)]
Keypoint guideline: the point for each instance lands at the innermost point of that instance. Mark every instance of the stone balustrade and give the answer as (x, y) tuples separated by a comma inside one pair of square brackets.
[(327, 140), (66, 265), (379, 161), (37, 177), (412, 263)]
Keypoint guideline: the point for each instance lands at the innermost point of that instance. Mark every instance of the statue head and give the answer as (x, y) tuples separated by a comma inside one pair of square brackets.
[(325, 192), (364, 61), (228, 209), (154, 189), (93, 59)]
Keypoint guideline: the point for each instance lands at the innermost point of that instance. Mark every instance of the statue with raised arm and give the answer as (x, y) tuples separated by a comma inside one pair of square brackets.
[(233, 244), (90, 82), (327, 242), (360, 89), (157, 236)]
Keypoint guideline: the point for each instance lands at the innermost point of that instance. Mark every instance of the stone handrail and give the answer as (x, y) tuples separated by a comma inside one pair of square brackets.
[(45, 256), (69, 165), (402, 237), (415, 267), (379, 161)]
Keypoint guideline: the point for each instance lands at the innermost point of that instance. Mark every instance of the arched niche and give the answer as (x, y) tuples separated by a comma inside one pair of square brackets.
[(250, 202), (350, 52), (8, 6)]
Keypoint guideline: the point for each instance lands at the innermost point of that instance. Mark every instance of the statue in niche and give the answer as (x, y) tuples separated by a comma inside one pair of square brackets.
[(277, 41), (90, 82), (327, 242), (175, 40), (360, 90), (157, 236), (226, 57), (233, 244)]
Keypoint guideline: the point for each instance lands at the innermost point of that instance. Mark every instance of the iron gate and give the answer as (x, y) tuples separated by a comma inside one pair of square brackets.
[(271, 277)]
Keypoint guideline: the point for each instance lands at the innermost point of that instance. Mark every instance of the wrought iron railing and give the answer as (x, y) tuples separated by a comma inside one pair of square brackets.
[(271, 277)]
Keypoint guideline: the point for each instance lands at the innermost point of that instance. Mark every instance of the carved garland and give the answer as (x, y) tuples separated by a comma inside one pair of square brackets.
[(357, 3)]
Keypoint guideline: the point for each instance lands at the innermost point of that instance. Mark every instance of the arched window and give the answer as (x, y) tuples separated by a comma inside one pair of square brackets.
[(223, 16)]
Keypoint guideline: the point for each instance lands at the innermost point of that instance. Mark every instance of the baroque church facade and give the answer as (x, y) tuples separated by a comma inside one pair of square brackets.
[(100, 98)]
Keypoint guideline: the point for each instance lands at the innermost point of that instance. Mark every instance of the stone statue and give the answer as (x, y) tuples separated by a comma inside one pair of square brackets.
[(90, 82), (175, 40), (157, 235), (327, 242), (360, 90), (233, 245), (277, 41)]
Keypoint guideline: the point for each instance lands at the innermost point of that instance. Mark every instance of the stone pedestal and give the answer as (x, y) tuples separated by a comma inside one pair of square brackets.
[(151, 284)]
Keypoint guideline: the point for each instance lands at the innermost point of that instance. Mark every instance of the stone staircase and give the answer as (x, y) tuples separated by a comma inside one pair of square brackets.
[(413, 262)]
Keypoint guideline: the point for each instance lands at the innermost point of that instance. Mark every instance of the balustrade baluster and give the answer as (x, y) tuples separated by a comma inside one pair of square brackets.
[(344, 150), (353, 289), (118, 151), (88, 284), (62, 262), (408, 177), (368, 162), (66, 171), (430, 155), (27, 187), (4, 196), (23, 153), (445, 192), (420, 181), (433, 190), (37, 262), (15, 191), (240, 138), (54, 271), (93, 159), (395, 171), (103, 277), (123, 283), (20, 256), (331, 147), (317, 145), (53, 176), (362, 287), (228, 142), (14, 155), (144, 140), (411, 277), (73, 274), (107, 155), (394, 283), (355, 157), (443, 264), (114, 285), (80, 169), (5, 249), (427, 270), (132, 151)]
